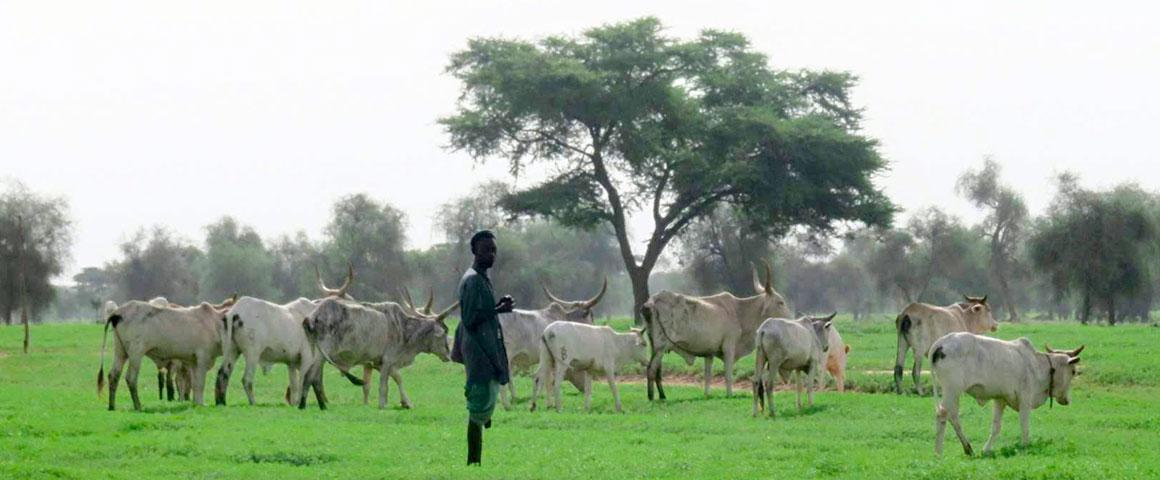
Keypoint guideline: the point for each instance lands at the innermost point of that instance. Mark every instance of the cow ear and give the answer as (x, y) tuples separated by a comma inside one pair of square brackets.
[(977, 308), (1073, 360), (828, 325)]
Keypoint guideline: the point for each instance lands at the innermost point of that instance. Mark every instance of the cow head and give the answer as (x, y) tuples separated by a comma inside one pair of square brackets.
[(640, 349), (577, 311), (978, 313), (773, 304), (428, 332), (1064, 365), (822, 326)]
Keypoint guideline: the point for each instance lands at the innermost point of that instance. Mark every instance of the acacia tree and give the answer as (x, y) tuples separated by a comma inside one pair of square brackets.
[(1003, 226), (631, 120)]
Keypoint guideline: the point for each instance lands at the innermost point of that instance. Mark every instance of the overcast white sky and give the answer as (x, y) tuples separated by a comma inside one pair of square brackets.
[(172, 113)]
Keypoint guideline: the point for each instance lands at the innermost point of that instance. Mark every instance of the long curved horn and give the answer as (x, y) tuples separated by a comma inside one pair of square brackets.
[(594, 300), (757, 286), (1075, 353), (442, 315), (768, 276), (407, 297), (553, 297), (430, 301), (322, 286), (1048, 348), (349, 279)]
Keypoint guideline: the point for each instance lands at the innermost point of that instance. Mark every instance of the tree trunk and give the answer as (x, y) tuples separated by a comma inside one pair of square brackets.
[(1085, 309), (639, 277), (23, 279), (1111, 300)]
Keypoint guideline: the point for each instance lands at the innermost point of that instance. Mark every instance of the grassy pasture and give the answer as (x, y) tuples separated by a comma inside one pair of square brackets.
[(52, 425)]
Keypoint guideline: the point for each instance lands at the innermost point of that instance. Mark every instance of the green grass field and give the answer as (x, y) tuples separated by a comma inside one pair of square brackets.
[(52, 425)]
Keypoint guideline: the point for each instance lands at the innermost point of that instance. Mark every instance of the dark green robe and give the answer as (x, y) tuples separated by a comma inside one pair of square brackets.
[(479, 338)]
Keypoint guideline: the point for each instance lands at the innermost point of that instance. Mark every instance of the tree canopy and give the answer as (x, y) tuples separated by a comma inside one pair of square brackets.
[(630, 120)]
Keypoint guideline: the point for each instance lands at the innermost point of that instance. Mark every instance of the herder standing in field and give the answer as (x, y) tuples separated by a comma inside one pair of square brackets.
[(479, 342)]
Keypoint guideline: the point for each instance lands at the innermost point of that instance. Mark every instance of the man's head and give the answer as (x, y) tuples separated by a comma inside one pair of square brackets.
[(483, 247)]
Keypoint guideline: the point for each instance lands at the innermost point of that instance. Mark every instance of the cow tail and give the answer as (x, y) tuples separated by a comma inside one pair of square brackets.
[(101, 373), (935, 356), (346, 373), (902, 325), (759, 368)]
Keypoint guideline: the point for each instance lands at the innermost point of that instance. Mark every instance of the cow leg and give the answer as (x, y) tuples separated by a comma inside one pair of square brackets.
[(200, 370), (384, 386), (587, 393), (294, 382), (115, 376), (404, 400), (317, 384), (170, 388), (307, 382), (131, 379), (767, 380), (512, 390), (918, 373), (708, 373), (730, 353), (940, 429), (615, 391), (557, 382), (367, 370), (1025, 423), (952, 407), (814, 375), (252, 360), (160, 385), (504, 397), (653, 374), (797, 380), (996, 425)]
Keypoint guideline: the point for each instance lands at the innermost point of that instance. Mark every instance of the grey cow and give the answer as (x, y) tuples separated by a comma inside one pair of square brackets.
[(789, 346)]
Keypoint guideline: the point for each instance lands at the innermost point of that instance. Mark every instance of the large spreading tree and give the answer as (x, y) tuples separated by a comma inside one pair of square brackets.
[(630, 120)]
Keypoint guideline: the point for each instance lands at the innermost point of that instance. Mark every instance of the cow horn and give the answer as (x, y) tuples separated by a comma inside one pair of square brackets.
[(594, 300), (757, 286), (983, 300), (768, 276), (968, 298), (322, 286), (553, 297), (430, 301), (407, 297), (1075, 353), (442, 315), (349, 279), (831, 317), (1048, 348)]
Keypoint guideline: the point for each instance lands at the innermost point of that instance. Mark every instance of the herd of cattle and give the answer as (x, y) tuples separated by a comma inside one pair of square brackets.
[(562, 340)]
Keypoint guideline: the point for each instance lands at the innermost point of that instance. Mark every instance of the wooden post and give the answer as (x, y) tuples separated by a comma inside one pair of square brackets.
[(23, 279)]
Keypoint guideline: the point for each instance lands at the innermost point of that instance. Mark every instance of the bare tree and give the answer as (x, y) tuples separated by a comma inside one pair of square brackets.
[(1004, 225)]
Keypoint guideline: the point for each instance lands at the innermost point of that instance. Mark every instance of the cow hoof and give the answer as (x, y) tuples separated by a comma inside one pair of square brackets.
[(970, 452), (406, 406)]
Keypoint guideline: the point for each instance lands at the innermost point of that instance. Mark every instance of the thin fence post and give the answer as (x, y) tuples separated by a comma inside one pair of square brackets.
[(23, 278)]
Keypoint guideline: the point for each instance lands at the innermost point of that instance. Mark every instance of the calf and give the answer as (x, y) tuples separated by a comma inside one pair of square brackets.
[(789, 346), (383, 335), (1011, 373), (522, 330), (589, 349), (836, 358), (191, 335)]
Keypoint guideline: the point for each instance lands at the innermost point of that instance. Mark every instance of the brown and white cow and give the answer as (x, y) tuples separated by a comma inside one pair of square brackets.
[(836, 357), (720, 325), (191, 335), (789, 347), (920, 324), (593, 350), (522, 330), (384, 335), (1012, 374)]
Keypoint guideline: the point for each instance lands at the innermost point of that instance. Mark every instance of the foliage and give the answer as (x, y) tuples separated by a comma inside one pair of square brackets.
[(632, 120), (1099, 245), (1003, 226), (719, 251), (235, 261), (157, 264), (293, 274), (371, 237), (48, 237)]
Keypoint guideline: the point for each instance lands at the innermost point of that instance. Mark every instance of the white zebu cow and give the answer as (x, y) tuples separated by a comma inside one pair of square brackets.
[(720, 325), (522, 330), (191, 335), (265, 333), (920, 324), (384, 335), (789, 346), (585, 348), (1011, 373)]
